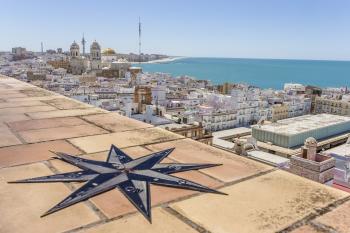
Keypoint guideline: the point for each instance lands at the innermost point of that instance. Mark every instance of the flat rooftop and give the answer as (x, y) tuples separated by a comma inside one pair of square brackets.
[(231, 132), (261, 199), (297, 125), (268, 158), (342, 150)]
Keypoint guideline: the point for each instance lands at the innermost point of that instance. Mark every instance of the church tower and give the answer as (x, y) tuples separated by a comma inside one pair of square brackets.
[(74, 50), (95, 54)]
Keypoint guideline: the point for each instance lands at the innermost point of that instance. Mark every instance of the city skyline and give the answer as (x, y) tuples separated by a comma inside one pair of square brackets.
[(272, 29)]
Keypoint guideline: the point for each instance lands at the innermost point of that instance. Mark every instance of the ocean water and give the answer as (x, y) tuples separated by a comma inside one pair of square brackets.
[(264, 73)]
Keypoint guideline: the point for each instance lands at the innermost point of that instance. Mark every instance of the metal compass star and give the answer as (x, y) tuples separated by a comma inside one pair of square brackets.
[(131, 176)]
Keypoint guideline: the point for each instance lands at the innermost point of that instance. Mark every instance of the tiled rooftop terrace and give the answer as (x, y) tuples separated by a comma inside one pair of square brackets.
[(260, 198)]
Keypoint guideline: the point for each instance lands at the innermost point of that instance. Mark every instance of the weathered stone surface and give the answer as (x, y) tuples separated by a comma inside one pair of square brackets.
[(5, 104), (306, 229), (338, 219), (115, 122), (233, 167), (63, 103), (41, 135), (28, 153), (29, 109), (22, 205), (162, 222), (268, 203), (125, 139), (65, 113), (13, 117), (7, 138), (45, 123), (28, 99), (36, 92)]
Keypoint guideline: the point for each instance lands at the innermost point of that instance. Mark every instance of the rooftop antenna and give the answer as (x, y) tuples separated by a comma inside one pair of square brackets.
[(139, 40), (83, 42), (42, 47)]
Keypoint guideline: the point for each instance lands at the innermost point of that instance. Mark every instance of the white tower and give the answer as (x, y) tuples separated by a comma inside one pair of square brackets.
[(74, 50), (95, 53)]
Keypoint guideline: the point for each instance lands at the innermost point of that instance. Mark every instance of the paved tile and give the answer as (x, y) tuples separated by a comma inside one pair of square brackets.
[(12, 95), (7, 137), (13, 117), (41, 135), (39, 98), (338, 219), (33, 109), (54, 128), (22, 204), (5, 104), (36, 92), (65, 103), (125, 139), (234, 167), (306, 229), (46, 123), (267, 203), (28, 153), (115, 122), (162, 222), (65, 113), (114, 204)]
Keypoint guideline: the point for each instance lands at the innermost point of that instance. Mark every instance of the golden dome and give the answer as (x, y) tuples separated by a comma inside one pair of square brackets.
[(108, 51)]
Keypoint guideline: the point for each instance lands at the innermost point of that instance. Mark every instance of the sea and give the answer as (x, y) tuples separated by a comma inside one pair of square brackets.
[(263, 73)]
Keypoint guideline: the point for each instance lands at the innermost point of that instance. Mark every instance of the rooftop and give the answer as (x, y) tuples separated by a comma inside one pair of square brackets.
[(342, 150), (297, 125), (260, 198)]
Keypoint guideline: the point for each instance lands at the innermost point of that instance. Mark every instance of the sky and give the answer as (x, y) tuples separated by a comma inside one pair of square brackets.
[(290, 29)]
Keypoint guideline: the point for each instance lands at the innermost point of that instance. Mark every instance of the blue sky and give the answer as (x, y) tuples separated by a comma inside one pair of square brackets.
[(302, 29)]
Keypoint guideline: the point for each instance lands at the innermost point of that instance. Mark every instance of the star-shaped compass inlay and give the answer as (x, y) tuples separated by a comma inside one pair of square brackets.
[(131, 176)]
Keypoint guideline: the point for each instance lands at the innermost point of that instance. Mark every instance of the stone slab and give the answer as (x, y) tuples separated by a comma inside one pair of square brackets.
[(20, 104), (22, 204), (48, 134), (162, 222), (65, 103), (29, 109), (338, 219), (92, 144), (7, 138), (65, 113), (267, 203), (233, 167), (306, 229), (45, 123), (115, 122), (13, 117), (29, 153)]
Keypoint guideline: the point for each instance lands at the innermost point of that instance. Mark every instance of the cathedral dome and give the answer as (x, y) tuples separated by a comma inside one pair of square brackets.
[(108, 51), (95, 46), (74, 46)]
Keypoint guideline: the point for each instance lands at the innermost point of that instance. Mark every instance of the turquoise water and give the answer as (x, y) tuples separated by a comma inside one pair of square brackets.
[(265, 73)]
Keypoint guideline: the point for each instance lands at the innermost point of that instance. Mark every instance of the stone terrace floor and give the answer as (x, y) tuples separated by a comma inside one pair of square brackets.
[(260, 198)]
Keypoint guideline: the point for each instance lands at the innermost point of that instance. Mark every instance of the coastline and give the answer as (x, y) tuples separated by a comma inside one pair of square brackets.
[(164, 60)]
